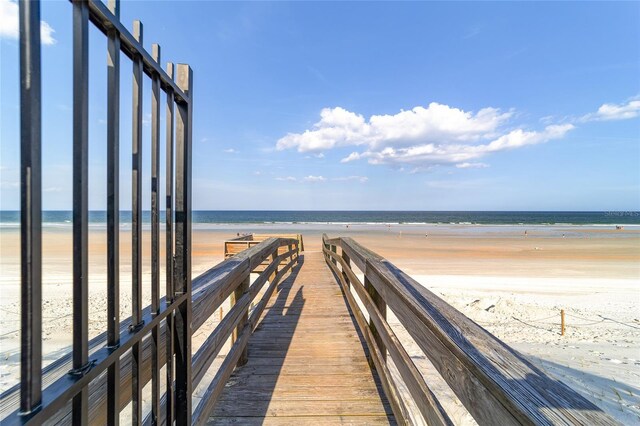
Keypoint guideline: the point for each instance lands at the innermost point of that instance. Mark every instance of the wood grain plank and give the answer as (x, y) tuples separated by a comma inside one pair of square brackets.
[(307, 362)]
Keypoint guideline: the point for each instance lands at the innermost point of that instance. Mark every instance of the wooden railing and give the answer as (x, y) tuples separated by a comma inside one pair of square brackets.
[(229, 278), (233, 280), (495, 383), (242, 242)]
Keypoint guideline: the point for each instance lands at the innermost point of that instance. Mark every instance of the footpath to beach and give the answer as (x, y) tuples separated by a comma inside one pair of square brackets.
[(306, 361)]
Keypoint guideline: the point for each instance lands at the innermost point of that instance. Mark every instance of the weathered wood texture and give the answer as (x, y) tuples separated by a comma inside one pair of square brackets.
[(209, 291), (494, 382), (306, 361), (381, 337), (242, 242)]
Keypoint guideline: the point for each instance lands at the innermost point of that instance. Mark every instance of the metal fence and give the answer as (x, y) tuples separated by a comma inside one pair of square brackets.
[(173, 313)]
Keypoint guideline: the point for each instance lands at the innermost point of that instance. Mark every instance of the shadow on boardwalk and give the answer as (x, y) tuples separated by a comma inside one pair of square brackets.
[(307, 363)]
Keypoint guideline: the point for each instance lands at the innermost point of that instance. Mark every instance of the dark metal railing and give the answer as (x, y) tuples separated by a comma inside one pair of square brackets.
[(173, 312)]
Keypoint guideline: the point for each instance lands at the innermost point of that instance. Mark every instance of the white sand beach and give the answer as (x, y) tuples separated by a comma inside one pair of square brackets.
[(514, 286)]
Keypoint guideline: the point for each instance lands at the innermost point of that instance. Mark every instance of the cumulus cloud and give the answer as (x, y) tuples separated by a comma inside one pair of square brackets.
[(432, 154), (287, 179), (421, 137), (9, 25), (438, 134), (609, 112), (436, 123), (230, 151)]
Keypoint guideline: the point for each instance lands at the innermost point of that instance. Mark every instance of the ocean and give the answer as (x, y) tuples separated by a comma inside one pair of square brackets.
[(12, 218)]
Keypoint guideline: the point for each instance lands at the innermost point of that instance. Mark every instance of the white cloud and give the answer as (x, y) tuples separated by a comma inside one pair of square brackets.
[(421, 137), (9, 25), (312, 178), (609, 112), (231, 151), (361, 179), (436, 123), (319, 155), (46, 33), (432, 154), (472, 165), (320, 178)]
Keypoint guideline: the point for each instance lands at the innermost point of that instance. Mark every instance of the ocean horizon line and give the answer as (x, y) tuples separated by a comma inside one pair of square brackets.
[(371, 217)]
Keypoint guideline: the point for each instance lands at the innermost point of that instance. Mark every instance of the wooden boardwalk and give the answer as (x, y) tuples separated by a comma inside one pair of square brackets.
[(307, 363)]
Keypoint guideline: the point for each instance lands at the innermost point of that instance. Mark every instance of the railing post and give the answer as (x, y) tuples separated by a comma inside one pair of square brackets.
[(275, 271), (347, 262), (30, 207), (382, 307), (237, 294), (335, 250)]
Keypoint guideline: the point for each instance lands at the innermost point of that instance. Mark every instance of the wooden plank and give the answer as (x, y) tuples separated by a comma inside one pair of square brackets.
[(305, 369), (296, 382), (306, 360), (239, 347), (426, 401), (300, 407), (308, 393), (378, 361), (213, 344), (306, 420)]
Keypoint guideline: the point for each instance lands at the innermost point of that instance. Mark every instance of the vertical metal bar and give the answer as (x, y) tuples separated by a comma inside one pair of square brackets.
[(30, 208), (155, 236), (113, 214), (80, 202), (183, 247), (169, 250), (136, 231)]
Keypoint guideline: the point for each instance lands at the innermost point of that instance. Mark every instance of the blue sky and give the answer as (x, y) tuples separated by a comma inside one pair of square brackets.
[(363, 105)]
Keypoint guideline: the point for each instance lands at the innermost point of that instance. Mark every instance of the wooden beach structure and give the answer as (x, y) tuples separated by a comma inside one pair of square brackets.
[(306, 340)]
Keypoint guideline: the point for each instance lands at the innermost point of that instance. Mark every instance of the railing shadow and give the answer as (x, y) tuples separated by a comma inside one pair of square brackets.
[(535, 380), (374, 373), (254, 383), (610, 395)]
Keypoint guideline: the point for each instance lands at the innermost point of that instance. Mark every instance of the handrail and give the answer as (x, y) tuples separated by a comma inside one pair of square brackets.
[(209, 291), (242, 242), (495, 383)]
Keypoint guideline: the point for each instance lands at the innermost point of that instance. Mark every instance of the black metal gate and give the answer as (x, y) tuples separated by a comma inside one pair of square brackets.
[(172, 313)]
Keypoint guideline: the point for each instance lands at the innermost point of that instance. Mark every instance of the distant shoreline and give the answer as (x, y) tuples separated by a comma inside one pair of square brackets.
[(9, 218)]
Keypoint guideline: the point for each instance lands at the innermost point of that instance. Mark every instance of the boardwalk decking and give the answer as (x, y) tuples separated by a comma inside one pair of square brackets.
[(306, 362)]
